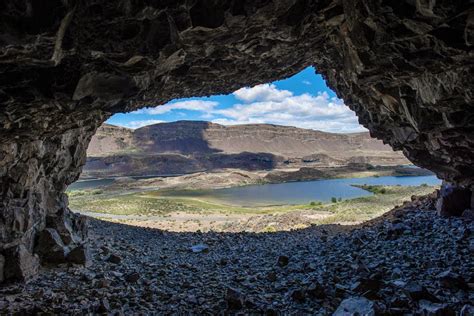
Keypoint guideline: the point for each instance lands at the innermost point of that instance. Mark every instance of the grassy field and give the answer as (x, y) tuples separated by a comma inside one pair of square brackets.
[(158, 203), (147, 203), (361, 209)]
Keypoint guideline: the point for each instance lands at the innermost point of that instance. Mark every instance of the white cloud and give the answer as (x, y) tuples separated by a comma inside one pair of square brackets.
[(306, 82), (262, 92), (281, 107), (138, 124), (192, 105), (267, 104)]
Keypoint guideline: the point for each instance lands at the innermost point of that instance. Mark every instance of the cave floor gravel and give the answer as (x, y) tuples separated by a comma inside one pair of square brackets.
[(411, 262)]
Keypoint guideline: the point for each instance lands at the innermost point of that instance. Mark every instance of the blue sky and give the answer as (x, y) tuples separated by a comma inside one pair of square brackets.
[(303, 100)]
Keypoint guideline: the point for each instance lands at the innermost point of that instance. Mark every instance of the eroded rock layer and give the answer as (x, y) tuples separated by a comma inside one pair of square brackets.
[(405, 67), (194, 146)]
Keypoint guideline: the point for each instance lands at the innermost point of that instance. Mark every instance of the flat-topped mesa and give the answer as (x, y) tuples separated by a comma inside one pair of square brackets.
[(405, 68)]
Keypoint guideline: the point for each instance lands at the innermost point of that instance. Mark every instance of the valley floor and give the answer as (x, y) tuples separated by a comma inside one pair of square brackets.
[(186, 212), (409, 261)]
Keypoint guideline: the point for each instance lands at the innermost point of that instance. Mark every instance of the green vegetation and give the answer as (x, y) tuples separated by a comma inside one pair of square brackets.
[(376, 189), (365, 208), (162, 203)]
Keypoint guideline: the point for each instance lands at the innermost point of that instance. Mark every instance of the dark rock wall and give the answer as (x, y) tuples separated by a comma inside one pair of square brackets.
[(34, 175), (405, 67)]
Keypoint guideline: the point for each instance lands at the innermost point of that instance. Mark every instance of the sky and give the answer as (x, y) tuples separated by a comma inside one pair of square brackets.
[(303, 100)]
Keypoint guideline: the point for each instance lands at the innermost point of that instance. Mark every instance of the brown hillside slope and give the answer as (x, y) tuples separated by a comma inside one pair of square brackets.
[(188, 146)]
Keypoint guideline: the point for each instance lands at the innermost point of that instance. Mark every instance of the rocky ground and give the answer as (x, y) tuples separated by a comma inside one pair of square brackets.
[(407, 262)]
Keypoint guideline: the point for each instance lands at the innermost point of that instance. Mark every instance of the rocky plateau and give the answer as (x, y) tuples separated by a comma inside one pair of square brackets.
[(193, 146)]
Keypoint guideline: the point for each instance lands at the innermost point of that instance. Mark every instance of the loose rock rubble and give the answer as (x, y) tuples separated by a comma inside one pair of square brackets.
[(404, 67), (409, 261)]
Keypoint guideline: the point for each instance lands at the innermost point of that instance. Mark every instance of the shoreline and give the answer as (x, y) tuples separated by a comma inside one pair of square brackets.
[(229, 178)]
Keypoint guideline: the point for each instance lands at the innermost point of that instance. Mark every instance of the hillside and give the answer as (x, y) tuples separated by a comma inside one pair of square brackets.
[(190, 146)]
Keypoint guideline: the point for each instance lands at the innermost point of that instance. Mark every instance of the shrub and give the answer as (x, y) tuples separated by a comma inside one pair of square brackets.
[(269, 229), (333, 200)]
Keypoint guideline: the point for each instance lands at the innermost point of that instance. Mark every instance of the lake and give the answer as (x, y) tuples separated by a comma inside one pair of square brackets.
[(303, 192), (284, 193)]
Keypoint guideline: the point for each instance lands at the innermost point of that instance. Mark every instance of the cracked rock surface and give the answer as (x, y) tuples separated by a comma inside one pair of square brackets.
[(410, 261), (405, 67)]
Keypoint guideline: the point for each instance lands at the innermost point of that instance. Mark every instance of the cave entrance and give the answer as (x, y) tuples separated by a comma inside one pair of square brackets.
[(262, 159), (403, 67)]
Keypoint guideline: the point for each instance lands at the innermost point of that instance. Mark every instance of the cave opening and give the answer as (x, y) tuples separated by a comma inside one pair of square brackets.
[(290, 143), (404, 67)]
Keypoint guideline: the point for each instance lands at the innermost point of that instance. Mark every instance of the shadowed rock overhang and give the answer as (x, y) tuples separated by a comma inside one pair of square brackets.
[(405, 68)]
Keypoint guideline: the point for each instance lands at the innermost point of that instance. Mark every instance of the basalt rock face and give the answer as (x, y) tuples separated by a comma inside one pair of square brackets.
[(405, 67)]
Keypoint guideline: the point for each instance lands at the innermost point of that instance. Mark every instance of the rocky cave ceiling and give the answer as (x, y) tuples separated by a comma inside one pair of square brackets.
[(404, 66)]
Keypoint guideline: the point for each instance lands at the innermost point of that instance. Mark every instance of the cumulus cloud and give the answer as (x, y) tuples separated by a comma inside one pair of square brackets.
[(267, 104), (306, 82), (138, 124), (192, 105), (262, 92)]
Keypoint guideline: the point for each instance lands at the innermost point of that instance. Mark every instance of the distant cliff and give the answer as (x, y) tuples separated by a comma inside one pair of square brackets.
[(190, 146)]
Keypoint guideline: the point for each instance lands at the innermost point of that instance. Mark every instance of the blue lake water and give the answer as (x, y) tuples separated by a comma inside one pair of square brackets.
[(305, 192), (285, 193)]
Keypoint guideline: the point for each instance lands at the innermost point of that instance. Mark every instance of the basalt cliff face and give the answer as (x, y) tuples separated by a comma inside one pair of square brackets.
[(191, 146), (405, 68)]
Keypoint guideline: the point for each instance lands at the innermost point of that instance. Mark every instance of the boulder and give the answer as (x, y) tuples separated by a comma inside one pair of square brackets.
[(50, 247), (79, 255), (20, 264), (453, 200)]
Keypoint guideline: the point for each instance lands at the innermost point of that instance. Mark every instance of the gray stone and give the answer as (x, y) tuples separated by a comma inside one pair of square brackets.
[(435, 309), (20, 264), (113, 258), (355, 306), (418, 292), (50, 247), (132, 277), (79, 255), (200, 248)]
